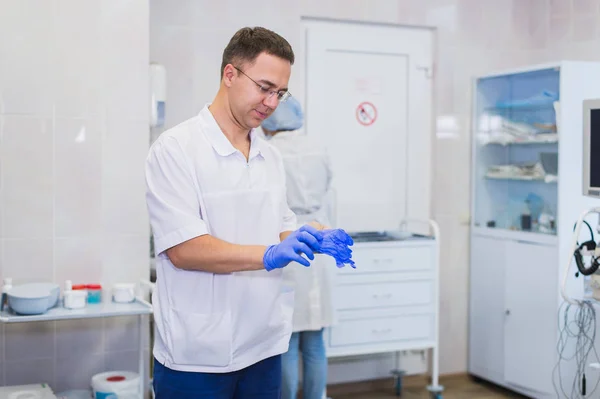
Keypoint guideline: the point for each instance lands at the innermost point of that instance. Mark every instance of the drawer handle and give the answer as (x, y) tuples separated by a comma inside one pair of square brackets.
[(384, 331), (386, 260), (384, 296)]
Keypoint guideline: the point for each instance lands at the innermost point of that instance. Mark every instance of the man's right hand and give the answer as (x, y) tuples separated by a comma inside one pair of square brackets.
[(302, 241)]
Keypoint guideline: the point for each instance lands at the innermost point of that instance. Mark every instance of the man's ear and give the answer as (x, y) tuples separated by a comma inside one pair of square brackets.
[(229, 74)]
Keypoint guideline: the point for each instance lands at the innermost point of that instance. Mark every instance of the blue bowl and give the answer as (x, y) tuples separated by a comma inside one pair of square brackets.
[(34, 298), (28, 306)]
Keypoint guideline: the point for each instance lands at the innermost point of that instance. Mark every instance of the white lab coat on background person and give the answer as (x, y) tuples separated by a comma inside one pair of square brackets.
[(308, 177), (308, 180)]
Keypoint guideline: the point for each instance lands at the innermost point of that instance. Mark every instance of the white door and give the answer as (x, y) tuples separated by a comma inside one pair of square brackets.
[(368, 99), (487, 309), (531, 320)]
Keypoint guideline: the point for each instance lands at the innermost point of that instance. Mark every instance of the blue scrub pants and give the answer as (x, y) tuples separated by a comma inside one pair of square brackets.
[(314, 365), (259, 381)]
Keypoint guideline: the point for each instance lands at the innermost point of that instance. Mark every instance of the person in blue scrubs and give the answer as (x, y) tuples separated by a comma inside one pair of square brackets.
[(223, 232)]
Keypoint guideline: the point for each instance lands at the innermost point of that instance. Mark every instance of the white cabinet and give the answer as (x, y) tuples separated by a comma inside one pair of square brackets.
[(487, 310), (389, 302), (384, 294), (531, 314), (526, 197), (513, 312)]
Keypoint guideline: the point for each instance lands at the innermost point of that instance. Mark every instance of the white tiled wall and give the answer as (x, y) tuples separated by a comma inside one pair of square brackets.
[(73, 140), (474, 37)]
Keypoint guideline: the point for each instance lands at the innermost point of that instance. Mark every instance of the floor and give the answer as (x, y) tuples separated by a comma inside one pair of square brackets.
[(456, 387)]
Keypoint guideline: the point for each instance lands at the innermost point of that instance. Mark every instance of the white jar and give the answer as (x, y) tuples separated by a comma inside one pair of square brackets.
[(123, 293), (75, 299)]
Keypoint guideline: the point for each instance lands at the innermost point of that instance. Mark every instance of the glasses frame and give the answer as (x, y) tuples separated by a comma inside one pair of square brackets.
[(282, 95)]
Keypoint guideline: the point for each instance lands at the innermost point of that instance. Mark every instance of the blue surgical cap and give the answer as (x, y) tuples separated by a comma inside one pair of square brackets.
[(287, 116)]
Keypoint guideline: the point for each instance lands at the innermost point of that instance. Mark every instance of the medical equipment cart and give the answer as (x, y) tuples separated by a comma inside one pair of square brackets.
[(390, 302), (139, 308)]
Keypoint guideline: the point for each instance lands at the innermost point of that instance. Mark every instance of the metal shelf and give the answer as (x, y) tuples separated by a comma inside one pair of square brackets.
[(523, 142), (108, 309), (137, 308), (522, 178), (516, 235), (520, 108)]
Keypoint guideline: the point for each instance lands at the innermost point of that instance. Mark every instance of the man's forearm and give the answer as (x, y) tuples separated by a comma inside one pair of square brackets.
[(209, 254)]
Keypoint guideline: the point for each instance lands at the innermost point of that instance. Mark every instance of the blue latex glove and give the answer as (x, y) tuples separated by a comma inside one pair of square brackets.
[(305, 240), (336, 243)]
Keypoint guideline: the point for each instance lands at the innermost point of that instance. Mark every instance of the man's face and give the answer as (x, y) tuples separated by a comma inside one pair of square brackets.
[(250, 104)]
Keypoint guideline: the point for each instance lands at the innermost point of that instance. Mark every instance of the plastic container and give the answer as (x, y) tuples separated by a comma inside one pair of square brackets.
[(80, 287), (75, 299), (123, 293), (5, 289), (33, 298), (120, 384), (94, 293)]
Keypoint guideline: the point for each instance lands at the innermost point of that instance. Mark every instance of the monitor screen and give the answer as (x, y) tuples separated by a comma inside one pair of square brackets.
[(594, 149), (591, 148)]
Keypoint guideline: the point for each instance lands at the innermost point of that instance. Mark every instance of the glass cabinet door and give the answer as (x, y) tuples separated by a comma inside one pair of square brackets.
[(516, 151)]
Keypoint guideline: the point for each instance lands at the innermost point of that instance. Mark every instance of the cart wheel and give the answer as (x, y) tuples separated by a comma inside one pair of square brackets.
[(436, 391), (398, 375), (399, 386)]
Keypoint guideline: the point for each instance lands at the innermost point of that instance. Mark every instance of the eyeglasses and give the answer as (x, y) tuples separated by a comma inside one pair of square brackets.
[(282, 95)]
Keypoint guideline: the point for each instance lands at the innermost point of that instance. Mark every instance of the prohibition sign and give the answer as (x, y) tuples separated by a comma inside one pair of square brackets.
[(366, 113)]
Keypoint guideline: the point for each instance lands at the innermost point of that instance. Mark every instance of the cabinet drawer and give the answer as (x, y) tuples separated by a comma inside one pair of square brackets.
[(362, 296), (391, 259), (377, 330)]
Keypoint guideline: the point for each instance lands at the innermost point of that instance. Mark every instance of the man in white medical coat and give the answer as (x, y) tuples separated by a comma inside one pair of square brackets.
[(223, 232)]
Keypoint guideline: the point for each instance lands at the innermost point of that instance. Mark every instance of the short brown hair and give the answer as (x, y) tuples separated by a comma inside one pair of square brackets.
[(249, 43)]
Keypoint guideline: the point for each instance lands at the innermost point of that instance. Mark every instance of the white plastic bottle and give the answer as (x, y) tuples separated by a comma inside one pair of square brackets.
[(5, 288)]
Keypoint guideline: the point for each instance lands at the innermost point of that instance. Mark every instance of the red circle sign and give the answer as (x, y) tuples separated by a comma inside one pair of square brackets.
[(366, 113)]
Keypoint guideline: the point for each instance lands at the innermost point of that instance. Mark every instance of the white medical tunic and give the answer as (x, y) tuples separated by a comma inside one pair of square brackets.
[(308, 181), (197, 184)]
